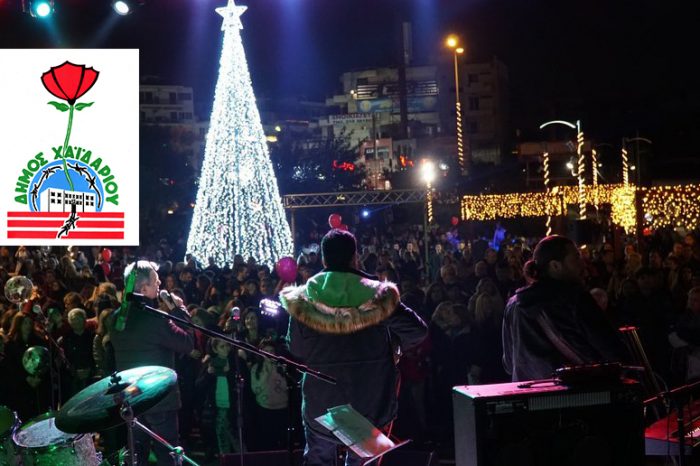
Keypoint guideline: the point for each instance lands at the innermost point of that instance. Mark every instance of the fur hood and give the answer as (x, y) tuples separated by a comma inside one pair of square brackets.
[(340, 302)]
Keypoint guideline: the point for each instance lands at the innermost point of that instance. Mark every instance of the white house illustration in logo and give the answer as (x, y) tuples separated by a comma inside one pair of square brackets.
[(61, 200)]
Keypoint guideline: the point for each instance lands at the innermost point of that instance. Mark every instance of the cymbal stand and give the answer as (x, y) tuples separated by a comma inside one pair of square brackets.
[(54, 371), (178, 453)]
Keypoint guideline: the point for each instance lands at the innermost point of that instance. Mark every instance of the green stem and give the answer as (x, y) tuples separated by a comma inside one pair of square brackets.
[(65, 147)]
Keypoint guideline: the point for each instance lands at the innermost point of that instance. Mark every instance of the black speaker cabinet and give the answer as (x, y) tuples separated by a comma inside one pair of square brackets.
[(548, 425)]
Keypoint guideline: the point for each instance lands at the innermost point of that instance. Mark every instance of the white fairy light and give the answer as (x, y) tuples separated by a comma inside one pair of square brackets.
[(238, 208)]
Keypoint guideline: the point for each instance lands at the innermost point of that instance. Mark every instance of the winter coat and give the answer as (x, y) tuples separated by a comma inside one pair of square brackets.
[(548, 311), (149, 340), (343, 324)]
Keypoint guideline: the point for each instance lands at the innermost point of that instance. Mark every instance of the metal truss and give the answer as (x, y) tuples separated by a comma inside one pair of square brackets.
[(353, 198)]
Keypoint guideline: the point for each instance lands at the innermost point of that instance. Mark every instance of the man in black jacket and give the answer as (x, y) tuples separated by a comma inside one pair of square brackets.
[(554, 321), (148, 340), (348, 326)]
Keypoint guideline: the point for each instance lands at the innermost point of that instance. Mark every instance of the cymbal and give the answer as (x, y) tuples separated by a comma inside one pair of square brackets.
[(97, 407)]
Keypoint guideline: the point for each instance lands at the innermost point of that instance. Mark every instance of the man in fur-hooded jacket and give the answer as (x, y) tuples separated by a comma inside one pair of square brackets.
[(347, 325)]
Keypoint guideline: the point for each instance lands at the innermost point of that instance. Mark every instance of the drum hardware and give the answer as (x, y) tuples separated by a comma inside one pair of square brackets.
[(118, 399), (9, 423), (18, 290), (41, 443)]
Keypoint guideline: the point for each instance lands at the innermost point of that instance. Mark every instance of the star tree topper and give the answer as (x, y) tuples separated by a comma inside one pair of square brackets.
[(232, 15)]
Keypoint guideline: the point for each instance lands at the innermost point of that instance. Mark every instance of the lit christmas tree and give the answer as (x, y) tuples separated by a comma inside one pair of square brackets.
[(238, 208)]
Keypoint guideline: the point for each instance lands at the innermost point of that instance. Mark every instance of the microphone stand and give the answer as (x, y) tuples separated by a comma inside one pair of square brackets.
[(288, 365), (54, 372), (292, 387), (240, 385), (280, 360)]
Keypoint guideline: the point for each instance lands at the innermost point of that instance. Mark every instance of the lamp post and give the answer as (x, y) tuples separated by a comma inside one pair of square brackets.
[(581, 171), (625, 165), (452, 42), (427, 173)]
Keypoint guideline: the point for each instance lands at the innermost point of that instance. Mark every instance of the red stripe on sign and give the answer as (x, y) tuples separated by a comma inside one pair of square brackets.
[(28, 234), (34, 223), (94, 235), (65, 214), (59, 223)]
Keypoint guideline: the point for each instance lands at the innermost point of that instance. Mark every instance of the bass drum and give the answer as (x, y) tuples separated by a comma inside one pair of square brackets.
[(9, 423), (41, 444)]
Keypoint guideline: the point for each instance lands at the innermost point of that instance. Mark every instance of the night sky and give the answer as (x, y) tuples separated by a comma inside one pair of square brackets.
[(619, 66)]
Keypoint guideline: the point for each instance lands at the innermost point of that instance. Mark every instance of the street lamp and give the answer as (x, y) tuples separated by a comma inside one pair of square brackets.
[(581, 172), (452, 42), (427, 174)]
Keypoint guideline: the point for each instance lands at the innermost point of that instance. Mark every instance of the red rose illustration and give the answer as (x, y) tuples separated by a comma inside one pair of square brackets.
[(68, 81)]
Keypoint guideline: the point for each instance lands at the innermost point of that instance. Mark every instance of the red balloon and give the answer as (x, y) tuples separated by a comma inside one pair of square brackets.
[(335, 220), (455, 221), (287, 269), (343, 227), (106, 254)]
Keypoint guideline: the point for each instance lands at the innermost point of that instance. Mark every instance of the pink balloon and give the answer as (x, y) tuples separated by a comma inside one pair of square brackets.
[(106, 254), (335, 220), (287, 269), (455, 221)]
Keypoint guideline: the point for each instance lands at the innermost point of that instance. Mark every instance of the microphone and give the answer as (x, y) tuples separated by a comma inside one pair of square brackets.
[(167, 298)]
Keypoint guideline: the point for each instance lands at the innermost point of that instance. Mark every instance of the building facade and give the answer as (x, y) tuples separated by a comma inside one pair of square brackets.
[(485, 109)]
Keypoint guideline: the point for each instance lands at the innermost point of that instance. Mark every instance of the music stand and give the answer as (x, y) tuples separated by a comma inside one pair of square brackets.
[(357, 433)]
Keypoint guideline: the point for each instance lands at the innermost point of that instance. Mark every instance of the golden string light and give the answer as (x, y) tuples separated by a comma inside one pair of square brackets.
[(581, 176), (662, 206), (625, 168), (594, 164), (672, 206), (545, 169), (429, 201), (460, 139), (624, 209)]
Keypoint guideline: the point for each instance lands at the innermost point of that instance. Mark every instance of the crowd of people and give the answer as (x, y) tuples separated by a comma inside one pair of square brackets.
[(461, 291)]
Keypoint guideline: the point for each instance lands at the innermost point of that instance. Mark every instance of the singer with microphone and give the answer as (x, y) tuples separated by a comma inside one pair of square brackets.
[(140, 339)]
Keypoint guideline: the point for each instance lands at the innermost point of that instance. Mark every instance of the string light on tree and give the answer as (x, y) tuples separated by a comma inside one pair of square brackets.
[(238, 208)]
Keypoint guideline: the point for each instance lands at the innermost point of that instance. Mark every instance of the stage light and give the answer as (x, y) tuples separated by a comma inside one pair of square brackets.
[(365, 213), (427, 171), (121, 7), (40, 8)]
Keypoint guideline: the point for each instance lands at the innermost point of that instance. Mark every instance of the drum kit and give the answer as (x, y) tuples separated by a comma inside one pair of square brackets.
[(64, 438)]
